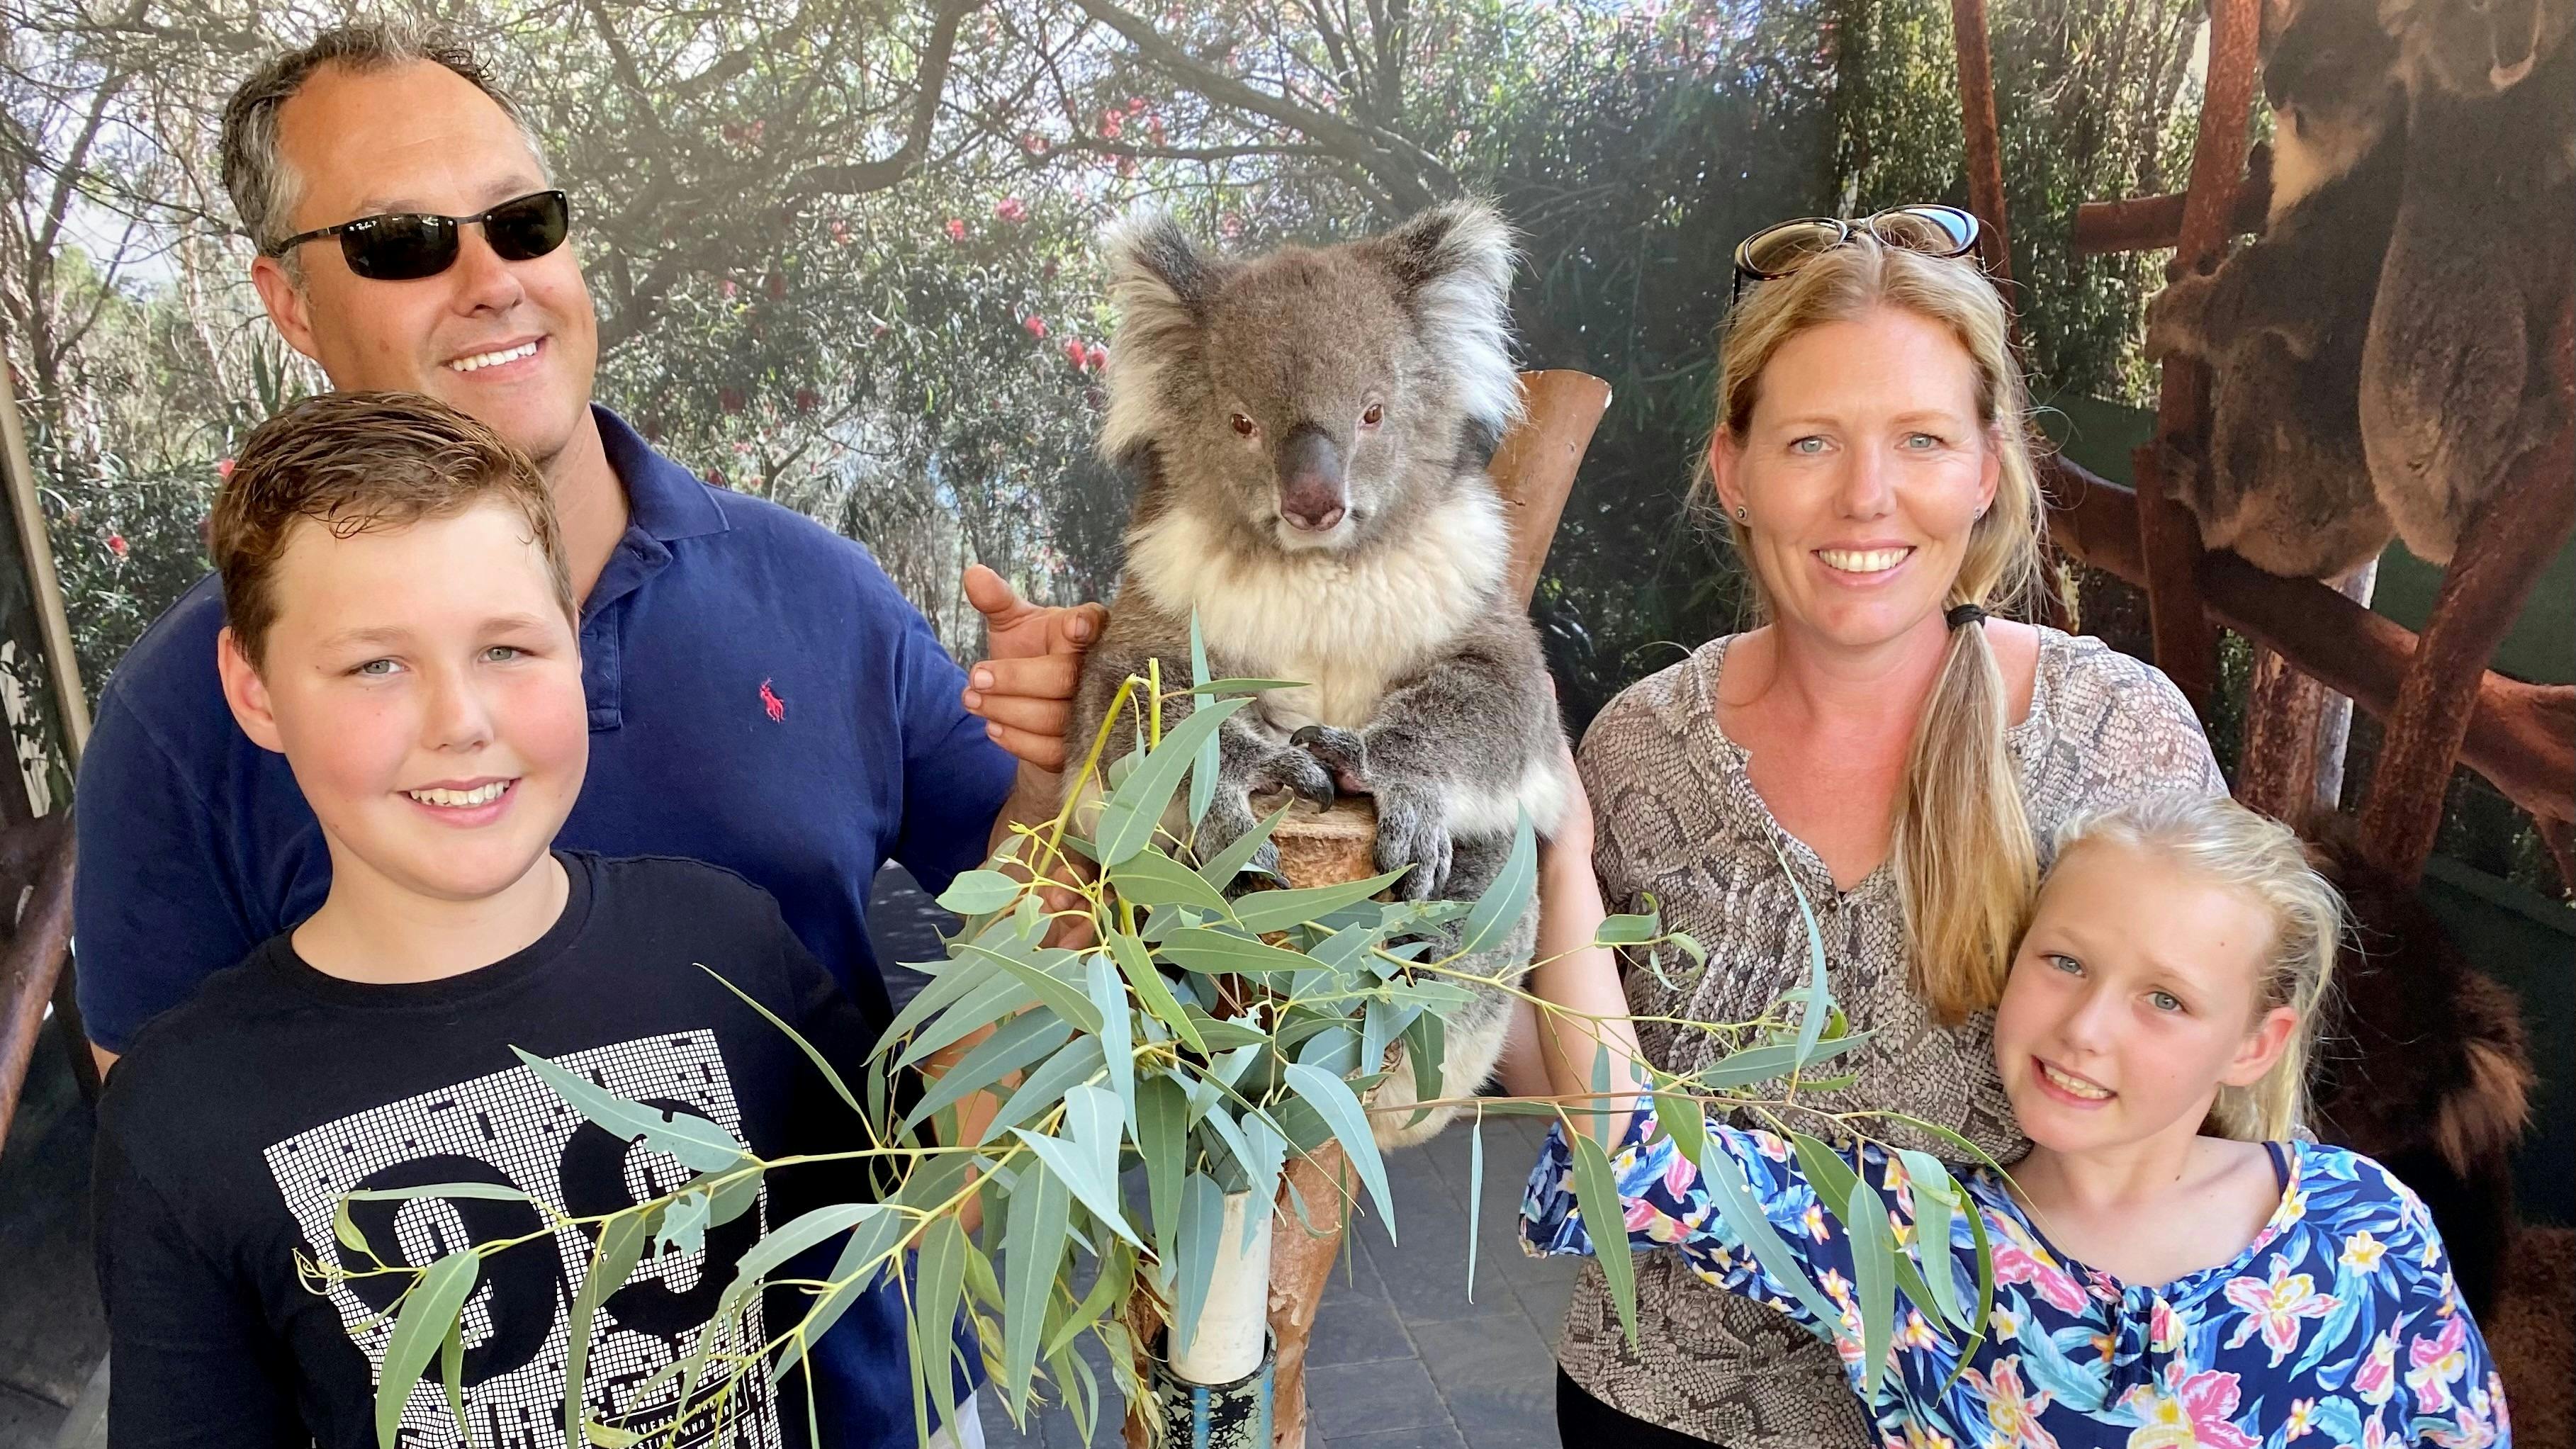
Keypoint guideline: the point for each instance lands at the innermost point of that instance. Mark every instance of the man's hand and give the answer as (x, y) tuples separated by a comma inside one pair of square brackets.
[(1024, 692)]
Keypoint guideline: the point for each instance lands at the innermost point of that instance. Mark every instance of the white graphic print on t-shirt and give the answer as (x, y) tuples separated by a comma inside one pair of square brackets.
[(509, 1128)]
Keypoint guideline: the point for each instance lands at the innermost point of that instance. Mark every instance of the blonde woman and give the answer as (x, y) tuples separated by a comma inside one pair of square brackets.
[(2171, 1267), (1903, 747)]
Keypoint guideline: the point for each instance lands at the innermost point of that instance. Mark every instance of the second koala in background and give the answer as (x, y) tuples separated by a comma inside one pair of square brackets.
[(1309, 431), (2456, 380), (2282, 322)]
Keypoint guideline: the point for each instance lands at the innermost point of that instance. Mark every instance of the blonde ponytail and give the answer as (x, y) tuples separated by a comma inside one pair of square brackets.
[(1964, 854), (2232, 846)]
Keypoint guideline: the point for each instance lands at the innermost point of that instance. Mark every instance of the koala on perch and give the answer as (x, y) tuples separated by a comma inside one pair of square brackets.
[(2286, 483), (2455, 385), (1309, 431)]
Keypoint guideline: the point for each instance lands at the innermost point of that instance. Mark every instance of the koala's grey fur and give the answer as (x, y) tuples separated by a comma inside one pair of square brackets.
[(1423, 681), (2455, 381), (2286, 483)]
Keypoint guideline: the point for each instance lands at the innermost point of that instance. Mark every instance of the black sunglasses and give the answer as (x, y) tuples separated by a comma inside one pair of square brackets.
[(1776, 251), (405, 246)]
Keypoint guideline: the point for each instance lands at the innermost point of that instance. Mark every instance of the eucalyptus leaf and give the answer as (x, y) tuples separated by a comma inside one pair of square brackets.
[(1680, 1118), (1152, 990), (1873, 1271), (1596, 1195), (1743, 1213), (1626, 930), (1202, 1221), (1764, 1063), (1117, 1044), (874, 1239), (1204, 768), (1243, 686), (1023, 1039), (428, 1310), (1223, 953), (783, 1243), (1033, 1243), (1506, 898), (1937, 1198), (1812, 1016), (1077, 1061), (1135, 807), (1162, 1108), (1475, 1194), (1265, 911), (684, 1225), (1052, 991), (1086, 1158), (1220, 869), (699, 1144), (621, 1244), (1151, 878), (489, 1191), (821, 1063), (979, 892), (991, 998), (1331, 1098), (939, 1283)]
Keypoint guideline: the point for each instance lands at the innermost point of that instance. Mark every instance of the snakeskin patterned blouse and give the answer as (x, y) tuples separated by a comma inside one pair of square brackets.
[(1677, 817)]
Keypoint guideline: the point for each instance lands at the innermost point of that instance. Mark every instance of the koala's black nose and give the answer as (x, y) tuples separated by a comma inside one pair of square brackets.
[(1311, 493)]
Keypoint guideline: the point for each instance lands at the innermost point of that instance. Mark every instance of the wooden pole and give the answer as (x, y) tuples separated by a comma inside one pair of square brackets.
[(2186, 641), (2520, 736), (2295, 728), (1534, 468), (2510, 538), (62, 665), (1984, 145)]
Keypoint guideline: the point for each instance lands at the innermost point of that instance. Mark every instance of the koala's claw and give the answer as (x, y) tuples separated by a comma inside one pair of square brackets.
[(1295, 771), (1342, 753), (1412, 832)]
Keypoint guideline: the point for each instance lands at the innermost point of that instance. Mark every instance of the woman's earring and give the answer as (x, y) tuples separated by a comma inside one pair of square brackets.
[(1742, 513)]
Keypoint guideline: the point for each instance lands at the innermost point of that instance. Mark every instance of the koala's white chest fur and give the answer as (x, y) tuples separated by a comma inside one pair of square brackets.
[(1347, 628)]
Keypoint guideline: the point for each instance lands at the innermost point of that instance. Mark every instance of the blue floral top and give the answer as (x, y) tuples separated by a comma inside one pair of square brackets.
[(2338, 1325)]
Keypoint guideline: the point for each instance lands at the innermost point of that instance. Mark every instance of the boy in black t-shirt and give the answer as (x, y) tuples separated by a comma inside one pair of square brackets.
[(402, 629)]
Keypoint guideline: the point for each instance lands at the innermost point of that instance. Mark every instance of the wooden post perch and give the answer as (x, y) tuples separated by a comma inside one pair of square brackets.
[(2186, 641)]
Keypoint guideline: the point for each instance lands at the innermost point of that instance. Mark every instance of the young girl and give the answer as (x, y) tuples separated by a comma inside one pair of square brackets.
[(2156, 1286)]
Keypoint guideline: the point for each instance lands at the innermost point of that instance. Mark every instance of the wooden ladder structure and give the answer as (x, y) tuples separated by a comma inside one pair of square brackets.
[(2439, 703)]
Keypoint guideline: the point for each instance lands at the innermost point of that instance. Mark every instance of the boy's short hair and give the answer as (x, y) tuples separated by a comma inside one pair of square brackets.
[(356, 461)]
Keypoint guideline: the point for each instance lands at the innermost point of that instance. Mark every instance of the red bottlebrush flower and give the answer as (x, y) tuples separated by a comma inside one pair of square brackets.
[(1073, 351), (956, 229), (717, 477), (1036, 325), (1230, 225), (1112, 123), (840, 233), (1154, 129), (1033, 143), (1135, 105), (1012, 209), (224, 469), (1097, 356), (730, 399), (1127, 166), (116, 545), (726, 289), (807, 399)]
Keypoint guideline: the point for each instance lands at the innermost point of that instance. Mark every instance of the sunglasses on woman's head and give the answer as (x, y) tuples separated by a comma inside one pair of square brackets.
[(1777, 251), (404, 246)]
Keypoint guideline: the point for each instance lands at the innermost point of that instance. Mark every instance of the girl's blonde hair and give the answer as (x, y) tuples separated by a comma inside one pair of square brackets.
[(2234, 847), (1965, 858)]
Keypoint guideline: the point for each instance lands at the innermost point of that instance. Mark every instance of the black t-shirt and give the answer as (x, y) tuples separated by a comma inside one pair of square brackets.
[(232, 1129)]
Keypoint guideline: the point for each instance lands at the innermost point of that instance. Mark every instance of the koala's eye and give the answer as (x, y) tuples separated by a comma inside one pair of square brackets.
[(1373, 416), (1245, 427)]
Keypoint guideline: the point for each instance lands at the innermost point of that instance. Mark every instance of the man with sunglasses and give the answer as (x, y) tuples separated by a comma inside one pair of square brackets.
[(759, 695)]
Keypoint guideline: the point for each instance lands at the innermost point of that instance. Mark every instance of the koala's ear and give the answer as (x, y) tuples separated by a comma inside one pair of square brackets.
[(1462, 244), (1454, 264), (2396, 15), (1157, 278)]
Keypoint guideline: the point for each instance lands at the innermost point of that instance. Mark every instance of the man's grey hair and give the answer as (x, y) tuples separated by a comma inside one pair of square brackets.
[(264, 188)]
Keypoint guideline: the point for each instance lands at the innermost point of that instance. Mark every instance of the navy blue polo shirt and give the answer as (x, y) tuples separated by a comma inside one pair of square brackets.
[(761, 698)]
